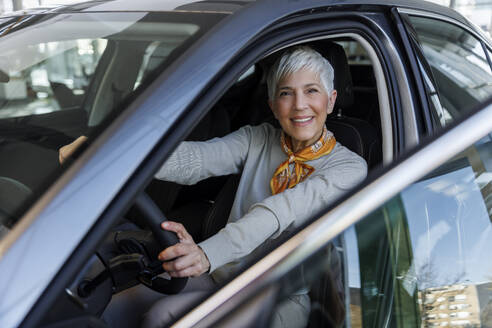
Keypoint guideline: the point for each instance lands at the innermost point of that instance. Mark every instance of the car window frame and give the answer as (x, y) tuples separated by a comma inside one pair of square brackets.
[(417, 62), (270, 39), (407, 146), (407, 36)]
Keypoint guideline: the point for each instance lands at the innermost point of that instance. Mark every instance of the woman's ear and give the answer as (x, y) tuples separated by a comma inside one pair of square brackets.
[(332, 97)]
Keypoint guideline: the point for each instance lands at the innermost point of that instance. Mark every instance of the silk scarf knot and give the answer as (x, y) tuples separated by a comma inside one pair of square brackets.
[(294, 170)]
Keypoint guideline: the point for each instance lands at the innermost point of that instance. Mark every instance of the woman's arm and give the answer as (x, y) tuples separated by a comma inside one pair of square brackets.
[(67, 150), (269, 218), (194, 161)]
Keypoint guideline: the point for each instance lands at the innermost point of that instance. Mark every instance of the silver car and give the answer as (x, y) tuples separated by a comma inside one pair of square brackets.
[(409, 247)]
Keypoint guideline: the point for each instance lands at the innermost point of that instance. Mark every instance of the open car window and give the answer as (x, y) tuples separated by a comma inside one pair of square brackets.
[(67, 75)]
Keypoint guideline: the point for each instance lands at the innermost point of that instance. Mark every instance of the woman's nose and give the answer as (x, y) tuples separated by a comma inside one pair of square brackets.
[(300, 102)]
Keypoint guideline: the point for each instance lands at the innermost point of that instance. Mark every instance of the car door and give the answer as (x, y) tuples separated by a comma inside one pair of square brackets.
[(411, 248)]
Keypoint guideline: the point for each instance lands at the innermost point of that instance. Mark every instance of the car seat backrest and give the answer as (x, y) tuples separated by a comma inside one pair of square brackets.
[(355, 134), (335, 54)]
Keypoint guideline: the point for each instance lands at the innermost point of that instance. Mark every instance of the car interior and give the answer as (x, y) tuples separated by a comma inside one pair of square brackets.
[(202, 208)]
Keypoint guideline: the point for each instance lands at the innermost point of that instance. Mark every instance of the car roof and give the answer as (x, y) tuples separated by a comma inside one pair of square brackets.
[(231, 6)]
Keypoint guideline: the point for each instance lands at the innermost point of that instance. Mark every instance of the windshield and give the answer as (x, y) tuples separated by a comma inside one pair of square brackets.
[(65, 75)]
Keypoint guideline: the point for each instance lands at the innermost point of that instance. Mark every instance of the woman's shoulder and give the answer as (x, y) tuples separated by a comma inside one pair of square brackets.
[(341, 155)]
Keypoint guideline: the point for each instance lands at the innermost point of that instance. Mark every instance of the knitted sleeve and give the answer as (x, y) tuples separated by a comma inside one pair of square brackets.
[(288, 208), (194, 161)]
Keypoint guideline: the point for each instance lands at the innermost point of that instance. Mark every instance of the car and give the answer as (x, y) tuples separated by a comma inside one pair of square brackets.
[(407, 247)]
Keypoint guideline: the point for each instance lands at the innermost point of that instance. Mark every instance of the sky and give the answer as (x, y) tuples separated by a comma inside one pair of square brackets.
[(450, 228)]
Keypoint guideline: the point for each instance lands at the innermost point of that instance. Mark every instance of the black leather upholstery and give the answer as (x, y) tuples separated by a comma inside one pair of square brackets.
[(355, 134), (335, 54), (358, 136)]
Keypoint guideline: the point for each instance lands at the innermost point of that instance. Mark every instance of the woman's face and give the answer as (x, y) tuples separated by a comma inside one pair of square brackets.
[(301, 105)]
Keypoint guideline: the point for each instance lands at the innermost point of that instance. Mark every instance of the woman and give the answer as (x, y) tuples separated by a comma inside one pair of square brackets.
[(287, 175)]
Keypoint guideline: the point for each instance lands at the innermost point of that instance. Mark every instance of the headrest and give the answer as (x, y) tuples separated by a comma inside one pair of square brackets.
[(335, 54)]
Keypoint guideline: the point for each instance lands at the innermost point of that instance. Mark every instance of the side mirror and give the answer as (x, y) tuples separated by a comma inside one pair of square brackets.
[(4, 77)]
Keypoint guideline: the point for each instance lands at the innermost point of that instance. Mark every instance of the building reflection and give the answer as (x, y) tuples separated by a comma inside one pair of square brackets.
[(459, 305)]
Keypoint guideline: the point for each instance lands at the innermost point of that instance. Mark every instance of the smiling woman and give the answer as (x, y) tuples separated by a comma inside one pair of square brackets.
[(310, 169)]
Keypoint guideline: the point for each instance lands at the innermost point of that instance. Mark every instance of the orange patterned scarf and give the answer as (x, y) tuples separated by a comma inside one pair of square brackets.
[(283, 178)]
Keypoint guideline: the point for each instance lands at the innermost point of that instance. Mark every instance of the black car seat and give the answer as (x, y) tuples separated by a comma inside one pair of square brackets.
[(356, 134)]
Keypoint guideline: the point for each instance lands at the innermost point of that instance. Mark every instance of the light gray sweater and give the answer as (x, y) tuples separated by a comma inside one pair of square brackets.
[(257, 216)]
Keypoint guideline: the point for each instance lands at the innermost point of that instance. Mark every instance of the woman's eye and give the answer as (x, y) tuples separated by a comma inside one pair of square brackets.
[(312, 90), (284, 93)]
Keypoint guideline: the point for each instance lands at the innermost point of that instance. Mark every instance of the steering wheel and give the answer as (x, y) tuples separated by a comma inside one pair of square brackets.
[(152, 218)]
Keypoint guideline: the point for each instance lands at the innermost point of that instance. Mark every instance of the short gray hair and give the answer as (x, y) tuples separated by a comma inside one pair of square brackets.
[(295, 59)]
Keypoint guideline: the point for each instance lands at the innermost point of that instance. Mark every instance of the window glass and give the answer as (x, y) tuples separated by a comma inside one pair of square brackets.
[(63, 76), (429, 247), (459, 66), (356, 54), (49, 76), (420, 260)]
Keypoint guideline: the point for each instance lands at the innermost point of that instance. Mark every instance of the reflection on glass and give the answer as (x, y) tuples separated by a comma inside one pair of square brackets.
[(450, 229), (55, 78), (63, 76), (459, 64), (424, 256), (313, 294), (451, 266)]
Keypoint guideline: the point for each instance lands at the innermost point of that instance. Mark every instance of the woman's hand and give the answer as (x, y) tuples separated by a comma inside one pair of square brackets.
[(185, 259), (67, 150)]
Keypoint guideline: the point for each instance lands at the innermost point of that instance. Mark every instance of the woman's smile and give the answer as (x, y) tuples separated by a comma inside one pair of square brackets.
[(302, 121)]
